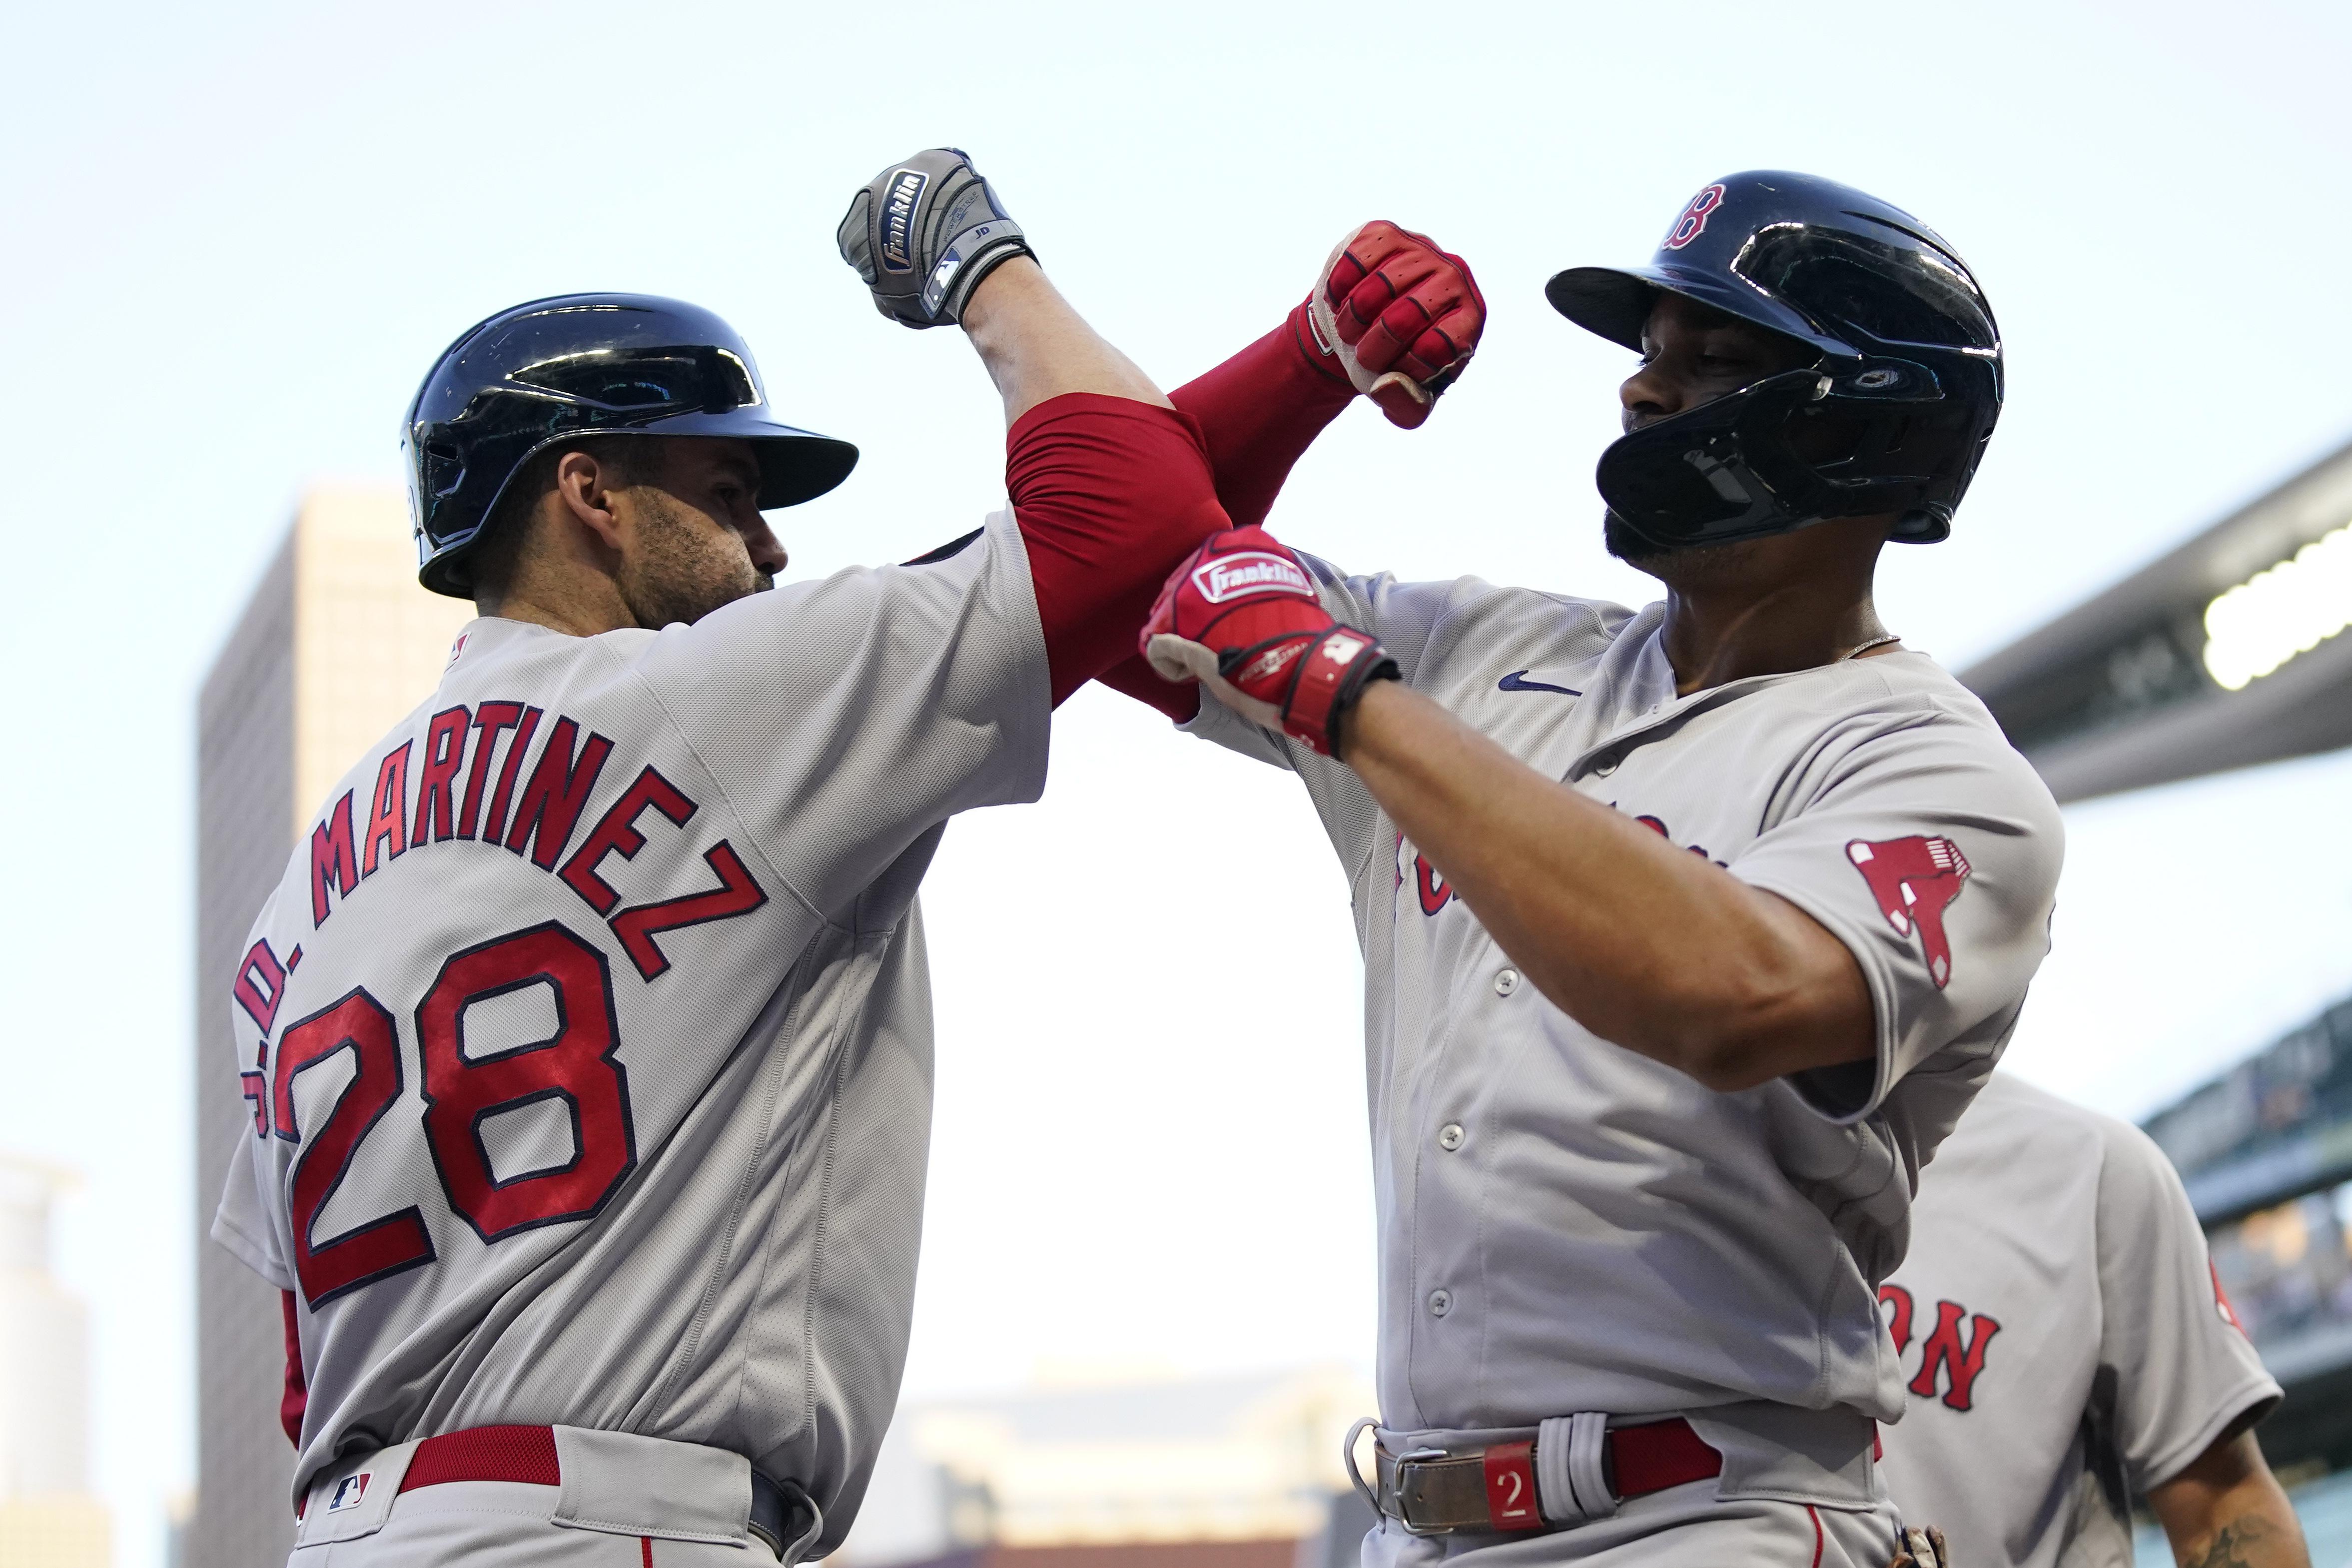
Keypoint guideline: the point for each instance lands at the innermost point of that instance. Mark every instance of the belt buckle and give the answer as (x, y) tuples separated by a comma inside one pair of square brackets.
[(1398, 1493)]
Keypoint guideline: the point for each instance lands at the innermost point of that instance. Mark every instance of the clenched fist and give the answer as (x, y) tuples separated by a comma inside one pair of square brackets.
[(1243, 618), (922, 234), (1401, 317)]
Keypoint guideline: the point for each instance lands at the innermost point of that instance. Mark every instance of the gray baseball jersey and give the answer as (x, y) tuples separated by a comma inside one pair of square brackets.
[(2066, 1338), (1567, 1226), (588, 1036)]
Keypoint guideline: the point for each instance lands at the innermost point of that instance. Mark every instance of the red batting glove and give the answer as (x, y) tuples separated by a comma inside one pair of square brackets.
[(1242, 618), (1400, 316)]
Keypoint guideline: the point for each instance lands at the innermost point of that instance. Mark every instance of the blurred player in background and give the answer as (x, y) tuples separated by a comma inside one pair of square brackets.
[(2069, 1348)]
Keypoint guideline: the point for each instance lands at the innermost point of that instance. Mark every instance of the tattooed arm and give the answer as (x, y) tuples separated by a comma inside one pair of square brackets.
[(2227, 1511)]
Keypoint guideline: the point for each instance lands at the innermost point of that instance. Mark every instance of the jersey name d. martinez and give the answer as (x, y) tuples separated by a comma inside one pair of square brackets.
[(1567, 1226), (2066, 1340), (587, 1036)]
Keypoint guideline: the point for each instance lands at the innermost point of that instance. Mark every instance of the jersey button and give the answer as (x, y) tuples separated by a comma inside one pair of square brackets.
[(1506, 982), (1604, 764), (1450, 1136), (1440, 1304)]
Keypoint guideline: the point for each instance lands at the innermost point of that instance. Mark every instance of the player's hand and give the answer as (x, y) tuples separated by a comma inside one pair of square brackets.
[(1241, 617), (1401, 317), (924, 232), (1921, 1549)]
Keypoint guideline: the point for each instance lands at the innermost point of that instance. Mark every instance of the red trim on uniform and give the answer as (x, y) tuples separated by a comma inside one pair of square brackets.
[(1817, 1534), (1660, 1454), (295, 1397), (645, 1544), (524, 1454)]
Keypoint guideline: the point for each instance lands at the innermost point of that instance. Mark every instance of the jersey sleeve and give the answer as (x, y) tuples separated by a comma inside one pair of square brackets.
[(847, 717), (2184, 1371), (242, 1222), (1927, 847)]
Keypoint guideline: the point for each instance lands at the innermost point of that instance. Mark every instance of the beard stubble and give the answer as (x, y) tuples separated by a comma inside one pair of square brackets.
[(681, 571)]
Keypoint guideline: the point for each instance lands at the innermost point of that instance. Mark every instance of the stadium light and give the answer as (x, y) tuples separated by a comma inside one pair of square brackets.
[(2274, 615)]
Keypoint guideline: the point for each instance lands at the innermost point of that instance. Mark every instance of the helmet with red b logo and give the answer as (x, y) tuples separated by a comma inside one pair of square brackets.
[(1893, 412)]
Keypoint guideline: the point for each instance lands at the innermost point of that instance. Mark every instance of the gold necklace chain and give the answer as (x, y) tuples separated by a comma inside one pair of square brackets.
[(1860, 649)]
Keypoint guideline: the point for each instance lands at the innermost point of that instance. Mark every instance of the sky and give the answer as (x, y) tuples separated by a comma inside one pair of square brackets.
[(238, 234)]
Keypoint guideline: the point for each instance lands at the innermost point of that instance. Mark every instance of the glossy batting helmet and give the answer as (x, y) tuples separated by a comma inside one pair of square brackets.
[(1891, 416), (583, 364)]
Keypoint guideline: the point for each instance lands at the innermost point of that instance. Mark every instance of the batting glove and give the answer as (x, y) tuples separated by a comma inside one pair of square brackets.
[(1400, 316), (924, 233), (1921, 1549), (1242, 618)]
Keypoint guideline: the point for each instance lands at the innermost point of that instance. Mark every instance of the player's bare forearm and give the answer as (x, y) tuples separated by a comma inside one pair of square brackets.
[(1038, 347), (1651, 947), (2227, 1511)]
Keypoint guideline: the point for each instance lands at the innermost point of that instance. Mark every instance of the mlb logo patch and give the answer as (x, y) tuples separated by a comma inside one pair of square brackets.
[(349, 1493)]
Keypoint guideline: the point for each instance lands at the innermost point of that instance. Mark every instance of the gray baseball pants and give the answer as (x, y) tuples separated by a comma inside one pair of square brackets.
[(621, 1501)]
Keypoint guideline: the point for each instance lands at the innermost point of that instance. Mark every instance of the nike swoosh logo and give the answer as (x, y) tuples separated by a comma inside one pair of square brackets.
[(1513, 683)]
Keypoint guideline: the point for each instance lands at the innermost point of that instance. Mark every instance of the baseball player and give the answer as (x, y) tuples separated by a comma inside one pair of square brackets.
[(2068, 1346), (1688, 931), (587, 1036)]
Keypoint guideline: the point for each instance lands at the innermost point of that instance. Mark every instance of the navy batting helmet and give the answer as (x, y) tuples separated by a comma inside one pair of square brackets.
[(1892, 416), (582, 365)]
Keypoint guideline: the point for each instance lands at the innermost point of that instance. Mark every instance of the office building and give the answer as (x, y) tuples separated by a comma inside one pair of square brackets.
[(335, 645), (48, 1517)]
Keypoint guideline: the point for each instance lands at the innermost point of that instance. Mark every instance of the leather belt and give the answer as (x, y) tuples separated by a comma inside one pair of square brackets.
[(527, 1453), (1436, 1491)]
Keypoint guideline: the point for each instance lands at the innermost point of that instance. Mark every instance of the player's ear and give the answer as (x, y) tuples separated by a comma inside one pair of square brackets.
[(584, 487)]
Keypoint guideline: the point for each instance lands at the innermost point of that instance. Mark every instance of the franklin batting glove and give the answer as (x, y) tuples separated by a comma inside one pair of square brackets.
[(924, 233), (1400, 316), (1242, 618), (1921, 1549)]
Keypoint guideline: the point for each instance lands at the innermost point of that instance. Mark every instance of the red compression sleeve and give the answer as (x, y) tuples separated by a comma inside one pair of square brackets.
[(1110, 496), (294, 1397), (1258, 412)]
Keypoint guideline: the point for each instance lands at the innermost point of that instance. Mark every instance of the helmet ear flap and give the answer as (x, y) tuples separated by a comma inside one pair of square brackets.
[(440, 469), (1900, 323)]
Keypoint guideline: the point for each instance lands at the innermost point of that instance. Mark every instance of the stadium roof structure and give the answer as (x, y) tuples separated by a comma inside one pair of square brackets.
[(2222, 654)]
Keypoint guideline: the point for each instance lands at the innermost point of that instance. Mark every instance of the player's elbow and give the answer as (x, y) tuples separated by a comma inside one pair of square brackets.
[(1750, 1027)]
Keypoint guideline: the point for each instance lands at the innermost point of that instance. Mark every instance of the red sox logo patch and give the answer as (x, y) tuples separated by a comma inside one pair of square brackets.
[(1913, 880), (2222, 1299), (1693, 223)]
